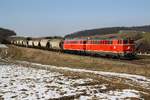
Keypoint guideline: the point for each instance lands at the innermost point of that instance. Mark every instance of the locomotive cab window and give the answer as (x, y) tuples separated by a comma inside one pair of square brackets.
[(109, 42), (119, 41), (96, 42), (84, 42), (125, 41)]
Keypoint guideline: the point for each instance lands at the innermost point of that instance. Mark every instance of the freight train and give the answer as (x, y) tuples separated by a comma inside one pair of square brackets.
[(105, 47)]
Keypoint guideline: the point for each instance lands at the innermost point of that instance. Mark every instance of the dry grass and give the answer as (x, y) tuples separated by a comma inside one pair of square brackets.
[(140, 67)]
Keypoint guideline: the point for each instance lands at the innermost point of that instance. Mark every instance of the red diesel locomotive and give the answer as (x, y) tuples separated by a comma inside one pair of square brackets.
[(113, 47)]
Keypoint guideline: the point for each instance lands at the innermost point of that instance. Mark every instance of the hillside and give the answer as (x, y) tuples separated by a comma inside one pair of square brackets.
[(5, 33), (104, 31)]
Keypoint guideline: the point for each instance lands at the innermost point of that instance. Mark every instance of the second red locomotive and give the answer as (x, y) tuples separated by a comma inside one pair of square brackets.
[(114, 47)]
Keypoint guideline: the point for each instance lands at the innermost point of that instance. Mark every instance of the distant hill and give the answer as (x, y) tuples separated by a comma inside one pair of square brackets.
[(5, 33), (104, 31)]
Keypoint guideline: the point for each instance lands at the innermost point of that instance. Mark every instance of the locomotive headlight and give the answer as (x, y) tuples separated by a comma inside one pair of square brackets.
[(128, 47), (114, 47)]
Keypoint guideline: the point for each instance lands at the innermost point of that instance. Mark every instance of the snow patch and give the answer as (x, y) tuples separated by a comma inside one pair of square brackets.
[(3, 46), (26, 83), (138, 79)]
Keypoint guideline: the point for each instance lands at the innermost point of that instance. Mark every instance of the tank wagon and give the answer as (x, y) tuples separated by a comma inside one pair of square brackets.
[(56, 44), (36, 44), (45, 43), (12, 42), (110, 47), (19, 42), (25, 43), (51, 44), (30, 43)]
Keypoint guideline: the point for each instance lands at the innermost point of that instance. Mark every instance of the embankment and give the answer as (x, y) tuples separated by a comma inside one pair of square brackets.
[(139, 67)]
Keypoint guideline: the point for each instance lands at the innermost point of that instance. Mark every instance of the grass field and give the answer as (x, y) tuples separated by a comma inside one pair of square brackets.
[(139, 66)]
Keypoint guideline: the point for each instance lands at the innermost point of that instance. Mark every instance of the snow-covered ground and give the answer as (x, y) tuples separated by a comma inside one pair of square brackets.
[(139, 80), (23, 83), (3, 46)]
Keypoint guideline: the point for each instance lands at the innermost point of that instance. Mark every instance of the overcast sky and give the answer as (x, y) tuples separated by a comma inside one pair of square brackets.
[(61, 17)]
